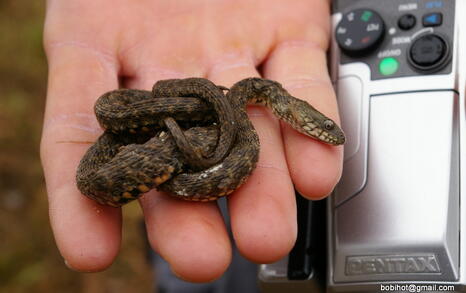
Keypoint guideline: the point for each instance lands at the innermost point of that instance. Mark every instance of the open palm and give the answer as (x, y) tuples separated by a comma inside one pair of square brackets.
[(96, 46)]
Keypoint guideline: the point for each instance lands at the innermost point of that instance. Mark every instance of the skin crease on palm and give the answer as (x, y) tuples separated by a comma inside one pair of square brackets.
[(96, 46)]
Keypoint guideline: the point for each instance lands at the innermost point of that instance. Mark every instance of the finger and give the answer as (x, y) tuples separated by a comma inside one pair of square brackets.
[(87, 234), (263, 213), (190, 236), (148, 62), (301, 67)]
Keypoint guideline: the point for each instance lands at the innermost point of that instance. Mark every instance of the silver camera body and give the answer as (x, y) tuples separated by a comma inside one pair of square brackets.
[(396, 217)]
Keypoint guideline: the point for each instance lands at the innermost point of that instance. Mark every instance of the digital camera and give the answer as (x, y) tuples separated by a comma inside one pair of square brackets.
[(397, 219)]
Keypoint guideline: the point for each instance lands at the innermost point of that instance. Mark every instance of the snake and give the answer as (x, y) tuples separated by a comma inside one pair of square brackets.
[(187, 138)]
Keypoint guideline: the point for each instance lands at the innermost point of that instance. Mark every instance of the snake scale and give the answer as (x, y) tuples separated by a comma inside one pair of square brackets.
[(186, 137)]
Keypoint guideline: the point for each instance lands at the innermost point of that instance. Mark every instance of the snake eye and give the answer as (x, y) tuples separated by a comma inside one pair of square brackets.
[(329, 124)]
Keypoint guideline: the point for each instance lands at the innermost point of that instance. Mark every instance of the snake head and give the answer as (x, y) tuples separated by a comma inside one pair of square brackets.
[(298, 113), (309, 121)]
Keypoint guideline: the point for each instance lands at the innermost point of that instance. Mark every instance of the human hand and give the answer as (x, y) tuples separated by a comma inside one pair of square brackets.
[(96, 46)]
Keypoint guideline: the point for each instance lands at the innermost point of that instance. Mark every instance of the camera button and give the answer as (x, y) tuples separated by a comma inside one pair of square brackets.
[(407, 22), (388, 66), (432, 19), (429, 53)]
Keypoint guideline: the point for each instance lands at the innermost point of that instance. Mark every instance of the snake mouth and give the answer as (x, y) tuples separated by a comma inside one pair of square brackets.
[(326, 132), (324, 136), (335, 139), (333, 135)]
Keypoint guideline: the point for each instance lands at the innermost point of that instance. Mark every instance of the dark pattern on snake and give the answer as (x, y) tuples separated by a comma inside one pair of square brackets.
[(123, 109), (122, 165)]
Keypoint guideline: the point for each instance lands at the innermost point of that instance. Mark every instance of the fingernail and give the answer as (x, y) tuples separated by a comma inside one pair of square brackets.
[(321, 197), (67, 264), (176, 274), (74, 269)]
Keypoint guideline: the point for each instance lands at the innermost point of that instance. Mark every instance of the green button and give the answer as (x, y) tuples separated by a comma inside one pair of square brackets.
[(388, 66)]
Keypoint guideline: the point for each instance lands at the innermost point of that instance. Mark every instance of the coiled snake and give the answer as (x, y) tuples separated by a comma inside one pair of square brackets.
[(187, 138)]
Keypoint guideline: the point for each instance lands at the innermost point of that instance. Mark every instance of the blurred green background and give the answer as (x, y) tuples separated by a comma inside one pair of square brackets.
[(29, 259)]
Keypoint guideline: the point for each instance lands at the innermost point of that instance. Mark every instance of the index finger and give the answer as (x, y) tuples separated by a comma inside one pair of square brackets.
[(87, 234)]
